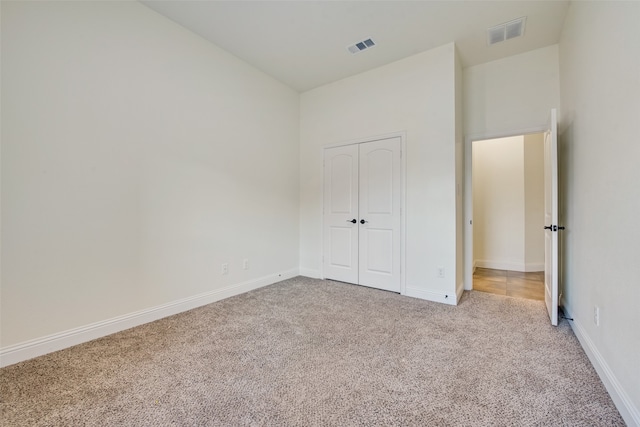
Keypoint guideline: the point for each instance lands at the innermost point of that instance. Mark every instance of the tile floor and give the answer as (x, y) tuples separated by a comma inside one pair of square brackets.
[(510, 283)]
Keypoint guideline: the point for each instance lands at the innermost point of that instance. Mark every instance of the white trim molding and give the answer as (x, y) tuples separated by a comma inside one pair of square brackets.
[(627, 408), (508, 265), (468, 191), (310, 272), (48, 344), (432, 296)]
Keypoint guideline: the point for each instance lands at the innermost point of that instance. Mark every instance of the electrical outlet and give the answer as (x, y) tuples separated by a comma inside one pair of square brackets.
[(245, 264), (596, 315), (440, 272), (225, 268)]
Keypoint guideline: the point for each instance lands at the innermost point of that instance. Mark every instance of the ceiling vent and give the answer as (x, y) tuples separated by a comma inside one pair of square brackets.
[(506, 31), (360, 46)]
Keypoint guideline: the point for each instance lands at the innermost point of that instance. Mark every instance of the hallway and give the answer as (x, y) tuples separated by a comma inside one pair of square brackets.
[(511, 283)]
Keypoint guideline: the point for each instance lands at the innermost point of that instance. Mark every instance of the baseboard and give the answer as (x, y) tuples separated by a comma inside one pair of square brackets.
[(506, 265), (431, 296), (48, 344), (629, 412), (499, 265), (309, 272)]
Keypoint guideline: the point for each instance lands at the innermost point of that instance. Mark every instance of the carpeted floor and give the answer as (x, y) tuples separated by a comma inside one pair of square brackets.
[(306, 352)]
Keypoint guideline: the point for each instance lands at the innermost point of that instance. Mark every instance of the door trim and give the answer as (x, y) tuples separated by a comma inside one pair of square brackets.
[(403, 198), (468, 192)]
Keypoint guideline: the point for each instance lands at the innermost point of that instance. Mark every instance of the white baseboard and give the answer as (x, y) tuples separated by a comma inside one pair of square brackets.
[(628, 410), (431, 296), (507, 265), (309, 272), (40, 346)]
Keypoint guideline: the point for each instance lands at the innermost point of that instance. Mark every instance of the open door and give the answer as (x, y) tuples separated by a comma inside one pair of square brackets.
[(551, 218)]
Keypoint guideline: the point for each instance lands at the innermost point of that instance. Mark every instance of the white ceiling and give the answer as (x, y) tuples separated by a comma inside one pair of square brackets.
[(303, 43)]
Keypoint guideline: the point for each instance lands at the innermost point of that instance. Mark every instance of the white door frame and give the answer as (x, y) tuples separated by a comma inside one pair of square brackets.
[(468, 193), (403, 197)]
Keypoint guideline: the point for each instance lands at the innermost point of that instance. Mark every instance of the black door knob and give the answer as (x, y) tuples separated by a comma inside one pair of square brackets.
[(362, 221), (353, 221), (547, 227)]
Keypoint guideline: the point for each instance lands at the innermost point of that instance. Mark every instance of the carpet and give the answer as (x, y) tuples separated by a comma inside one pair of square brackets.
[(306, 352)]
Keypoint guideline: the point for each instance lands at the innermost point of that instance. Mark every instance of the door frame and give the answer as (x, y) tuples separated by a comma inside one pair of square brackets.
[(403, 193), (468, 192)]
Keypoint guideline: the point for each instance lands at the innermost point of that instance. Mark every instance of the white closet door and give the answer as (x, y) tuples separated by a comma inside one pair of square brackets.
[(341, 213), (362, 217), (379, 207)]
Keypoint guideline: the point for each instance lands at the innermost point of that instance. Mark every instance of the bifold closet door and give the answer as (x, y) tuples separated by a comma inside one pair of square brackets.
[(379, 207), (341, 224), (362, 217)]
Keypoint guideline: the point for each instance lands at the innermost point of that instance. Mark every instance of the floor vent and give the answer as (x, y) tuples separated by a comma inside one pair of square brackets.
[(508, 30), (360, 46)]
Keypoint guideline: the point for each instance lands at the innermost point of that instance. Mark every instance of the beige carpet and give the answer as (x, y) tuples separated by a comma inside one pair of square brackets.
[(307, 352)]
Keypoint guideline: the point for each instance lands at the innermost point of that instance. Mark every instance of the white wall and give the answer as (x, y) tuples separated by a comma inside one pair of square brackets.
[(498, 203), (534, 202), (136, 158), (415, 95), (511, 94), (599, 191)]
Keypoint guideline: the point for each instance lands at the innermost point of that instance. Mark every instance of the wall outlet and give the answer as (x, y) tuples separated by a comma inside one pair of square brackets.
[(225, 269), (596, 315), (245, 264), (440, 272)]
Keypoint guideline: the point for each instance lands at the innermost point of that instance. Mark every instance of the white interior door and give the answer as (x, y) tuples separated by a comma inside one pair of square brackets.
[(362, 214), (379, 207), (551, 218), (341, 225)]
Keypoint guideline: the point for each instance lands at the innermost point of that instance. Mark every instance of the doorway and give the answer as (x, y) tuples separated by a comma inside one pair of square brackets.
[(508, 215), (362, 213)]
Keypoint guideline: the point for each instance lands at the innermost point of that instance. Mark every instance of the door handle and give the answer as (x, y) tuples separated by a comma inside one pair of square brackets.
[(547, 227), (362, 221), (353, 221)]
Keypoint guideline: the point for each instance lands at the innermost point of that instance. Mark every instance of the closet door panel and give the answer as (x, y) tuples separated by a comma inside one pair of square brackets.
[(380, 216)]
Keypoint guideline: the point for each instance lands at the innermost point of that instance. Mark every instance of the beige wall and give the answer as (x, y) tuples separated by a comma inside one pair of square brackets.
[(415, 95), (599, 191), (498, 203), (534, 202), (136, 158)]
